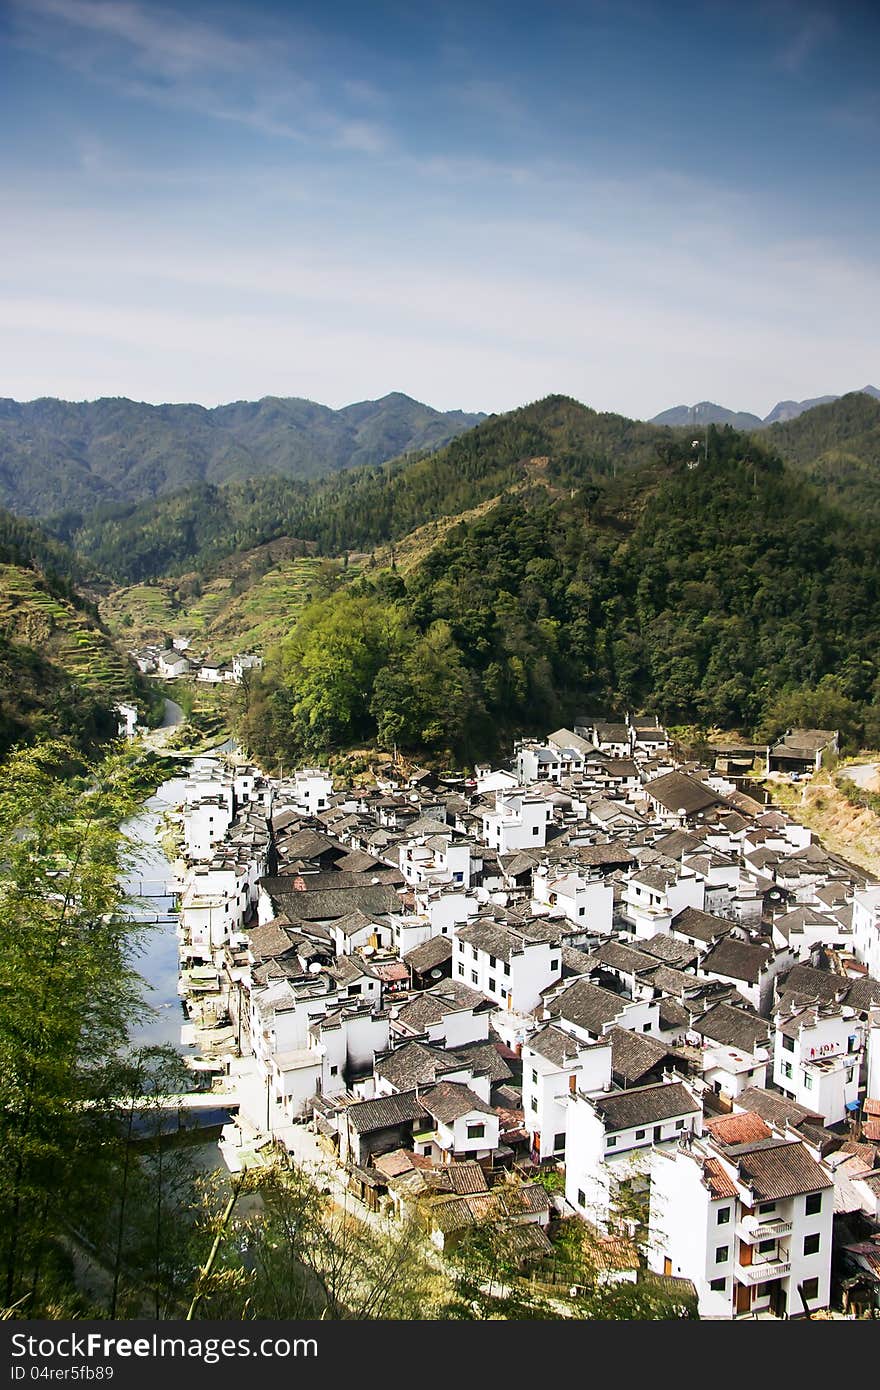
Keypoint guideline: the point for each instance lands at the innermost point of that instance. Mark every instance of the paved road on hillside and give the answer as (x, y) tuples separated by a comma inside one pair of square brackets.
[(864, 775)]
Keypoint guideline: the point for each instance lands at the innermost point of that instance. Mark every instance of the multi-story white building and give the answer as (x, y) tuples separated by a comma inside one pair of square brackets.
[(653, 896), (866, 928), (611, 1139), (512, 967), (311, 790), (586, 902), (817, 1054), (749, 1224), (555, 1063), (519, 821)]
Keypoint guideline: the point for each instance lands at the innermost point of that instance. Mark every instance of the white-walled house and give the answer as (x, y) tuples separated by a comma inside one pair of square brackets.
[(460, 1125), (588, 1011), (586, 902), (127, 719), (817, 1055), (449, 1014), (510, 967), (866, 928), (436, 859), (205, 824), (750, 966), (555, 1063), (611, 1139), (653, 896), (748, 1224), (872, 1050), (519, 821), (536, 762), (311, 789)]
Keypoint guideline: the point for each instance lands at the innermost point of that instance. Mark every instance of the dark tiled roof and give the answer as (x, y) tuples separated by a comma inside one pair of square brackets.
[(384, 1112), (677, 954), (434, 952), (483, 1058), (326, 905), (733, 1027), (554, 1045), (449, 1100), (702, 926), (633, 1055), (413, 1064), (737, 960), (646, 1105), (587, 1006), (677, 791), (776, 1109), (778, 1170)]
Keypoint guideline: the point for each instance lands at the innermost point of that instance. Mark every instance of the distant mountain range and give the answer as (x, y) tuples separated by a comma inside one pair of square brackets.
[(61, 455), (708, 413)]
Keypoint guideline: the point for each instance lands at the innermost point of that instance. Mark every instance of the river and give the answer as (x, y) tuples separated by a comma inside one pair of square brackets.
[(147, 883)]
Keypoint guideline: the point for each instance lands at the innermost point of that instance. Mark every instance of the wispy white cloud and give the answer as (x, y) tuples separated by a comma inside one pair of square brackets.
[(267, 82), (807, 29)]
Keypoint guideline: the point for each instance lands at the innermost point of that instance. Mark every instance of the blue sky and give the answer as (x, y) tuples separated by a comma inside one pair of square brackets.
[(635, 203)]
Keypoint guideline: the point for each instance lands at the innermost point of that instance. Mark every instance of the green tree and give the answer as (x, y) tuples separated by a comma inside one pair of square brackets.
[(68, 995)]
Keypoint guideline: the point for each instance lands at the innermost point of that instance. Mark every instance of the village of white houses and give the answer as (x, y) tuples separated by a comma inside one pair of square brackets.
[(598, 984)]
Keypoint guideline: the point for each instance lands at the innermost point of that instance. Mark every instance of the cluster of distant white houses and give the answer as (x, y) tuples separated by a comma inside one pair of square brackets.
[(172, 662), (600, 959)]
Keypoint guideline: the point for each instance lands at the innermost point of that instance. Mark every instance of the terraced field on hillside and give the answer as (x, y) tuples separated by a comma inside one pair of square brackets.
[(232, 613), (30, 616)]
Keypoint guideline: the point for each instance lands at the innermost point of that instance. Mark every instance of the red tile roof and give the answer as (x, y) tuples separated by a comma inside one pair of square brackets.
[(719, 1182), (739, 1129)]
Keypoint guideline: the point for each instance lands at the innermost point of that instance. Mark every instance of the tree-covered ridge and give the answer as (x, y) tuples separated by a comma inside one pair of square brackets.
[(837, 447), (58, 455), (715, 593), (360, 509)]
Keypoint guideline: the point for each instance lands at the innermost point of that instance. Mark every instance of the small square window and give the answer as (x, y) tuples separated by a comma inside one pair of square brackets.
[(723, 1215), (679, 1124), (646, 1027), (334, 1071), (640, 1134), (810, 1289), (722, 1254), (559, 1141), (765, 1246), (476, 1131), (718, 1285), (811, 1244), (611, 1141), (813, 1203)]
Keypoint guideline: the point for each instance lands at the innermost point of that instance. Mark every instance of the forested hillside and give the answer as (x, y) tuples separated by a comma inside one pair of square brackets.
[(74, 456), (724, 593), (837, 447), (557, 438)]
